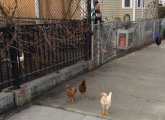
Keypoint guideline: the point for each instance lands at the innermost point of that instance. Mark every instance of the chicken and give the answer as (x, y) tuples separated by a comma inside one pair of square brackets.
[(21, 58), (105, 102), (158, 41), (157, 38), (82, 88), (71, 92)]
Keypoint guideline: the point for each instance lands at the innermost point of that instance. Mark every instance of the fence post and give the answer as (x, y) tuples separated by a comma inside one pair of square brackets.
[(89, 11), (115, 38), (13, 57), (98, 43), (14, 64), (92, 42), (88, 34)]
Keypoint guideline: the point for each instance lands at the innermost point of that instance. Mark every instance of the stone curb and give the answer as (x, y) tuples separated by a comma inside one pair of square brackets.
[(10, 99)]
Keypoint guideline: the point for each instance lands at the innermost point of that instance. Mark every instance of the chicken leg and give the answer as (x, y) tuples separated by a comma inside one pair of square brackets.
[(103, 113), (104, 110), (72, 100), (82, 96)]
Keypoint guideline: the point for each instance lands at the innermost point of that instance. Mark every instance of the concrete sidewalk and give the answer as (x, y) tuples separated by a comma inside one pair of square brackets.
[(36, 112), (137, 82)]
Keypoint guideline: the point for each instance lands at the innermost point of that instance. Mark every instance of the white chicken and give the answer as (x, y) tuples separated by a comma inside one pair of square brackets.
[(21, 60), (105, 102)]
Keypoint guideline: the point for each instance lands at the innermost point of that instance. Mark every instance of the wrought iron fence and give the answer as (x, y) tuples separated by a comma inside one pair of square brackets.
[(31, 51), (38, 37)]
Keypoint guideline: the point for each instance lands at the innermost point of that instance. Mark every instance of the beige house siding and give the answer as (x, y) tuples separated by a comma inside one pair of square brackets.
[(59, 9), (55, 10), (23, 9), (43, 6), (113, 8), (139, 14), (76, 10), (110, 9), (123, 12), (47, 8)]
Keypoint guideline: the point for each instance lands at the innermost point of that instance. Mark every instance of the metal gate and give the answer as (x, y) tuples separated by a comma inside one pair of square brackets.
[(104, 40)]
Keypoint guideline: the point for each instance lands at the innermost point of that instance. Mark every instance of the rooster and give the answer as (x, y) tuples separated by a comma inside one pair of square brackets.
[(105, 102), (71, 92), (157, 38), (158, 41), (82, 88)]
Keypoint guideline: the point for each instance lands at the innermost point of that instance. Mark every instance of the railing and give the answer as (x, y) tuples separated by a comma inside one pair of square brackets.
[(28, 52)]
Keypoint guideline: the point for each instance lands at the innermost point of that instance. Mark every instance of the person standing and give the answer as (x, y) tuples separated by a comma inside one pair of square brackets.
[(96, 13)]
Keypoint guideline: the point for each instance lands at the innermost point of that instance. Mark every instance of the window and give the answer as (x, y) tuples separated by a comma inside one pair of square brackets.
[(140, 3), (126, 3)]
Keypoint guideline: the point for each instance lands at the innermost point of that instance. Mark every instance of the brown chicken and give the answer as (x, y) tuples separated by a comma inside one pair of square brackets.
[(71, 92), (82, 88)]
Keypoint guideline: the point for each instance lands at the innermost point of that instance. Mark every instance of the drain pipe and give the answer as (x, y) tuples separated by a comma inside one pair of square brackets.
[(134, 10), (37, 11)]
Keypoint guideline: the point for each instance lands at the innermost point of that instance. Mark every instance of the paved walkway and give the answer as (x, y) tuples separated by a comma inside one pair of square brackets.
[(137, 82), (36, 112)]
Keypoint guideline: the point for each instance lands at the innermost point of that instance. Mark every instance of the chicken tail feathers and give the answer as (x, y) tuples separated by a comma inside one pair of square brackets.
[(110, 94)]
